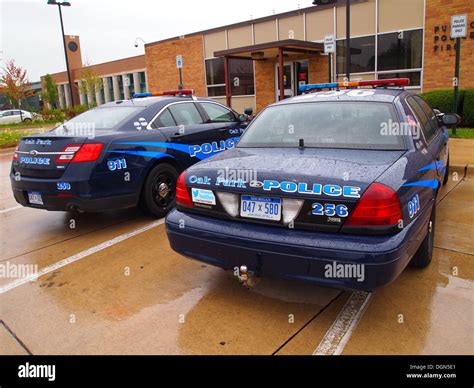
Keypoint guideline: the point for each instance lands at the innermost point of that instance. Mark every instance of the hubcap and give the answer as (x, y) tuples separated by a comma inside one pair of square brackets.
[(163, 190)]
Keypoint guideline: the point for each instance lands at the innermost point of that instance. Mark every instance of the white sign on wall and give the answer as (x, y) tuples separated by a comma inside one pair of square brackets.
[(458, 26), (329, 44), (179, 61)]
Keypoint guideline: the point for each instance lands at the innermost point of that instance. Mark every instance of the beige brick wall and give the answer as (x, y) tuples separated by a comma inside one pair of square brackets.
[(161, 64), (439, 63)]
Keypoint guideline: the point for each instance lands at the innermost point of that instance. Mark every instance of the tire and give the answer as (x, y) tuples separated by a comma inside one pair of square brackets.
[(446, 173), (27, 120), (159, 190), (424, 254)]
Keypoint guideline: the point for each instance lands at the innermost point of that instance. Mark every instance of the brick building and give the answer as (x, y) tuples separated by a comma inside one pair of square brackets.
[(239, 64)]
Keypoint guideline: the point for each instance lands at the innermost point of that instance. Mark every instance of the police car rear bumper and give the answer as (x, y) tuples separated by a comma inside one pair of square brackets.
[(77, 200), (317, 257)]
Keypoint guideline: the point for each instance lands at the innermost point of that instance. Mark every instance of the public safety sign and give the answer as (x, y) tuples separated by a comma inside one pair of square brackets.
[(179, 61), (458, 26), (329, 44)]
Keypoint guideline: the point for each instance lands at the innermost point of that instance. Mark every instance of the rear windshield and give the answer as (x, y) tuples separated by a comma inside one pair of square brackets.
[(103, 118), (357, 125)]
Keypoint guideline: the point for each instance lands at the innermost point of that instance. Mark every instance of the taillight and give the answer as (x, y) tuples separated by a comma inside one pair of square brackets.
[(182, 193), (15, 155), (77, 153), (378, 206)]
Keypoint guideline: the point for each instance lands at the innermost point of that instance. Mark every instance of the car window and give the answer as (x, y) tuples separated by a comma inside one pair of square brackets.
[(217, 113), (16, 113), (357, 125), (423, 119), (433, 120), (165, 120), (185, 114), (103, 118)]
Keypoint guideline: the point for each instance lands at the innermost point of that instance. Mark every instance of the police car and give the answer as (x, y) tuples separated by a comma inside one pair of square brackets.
[(122, 153), (335, 187)]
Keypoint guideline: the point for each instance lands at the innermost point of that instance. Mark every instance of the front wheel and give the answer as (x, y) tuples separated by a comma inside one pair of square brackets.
[(424, 254), (159, 190)]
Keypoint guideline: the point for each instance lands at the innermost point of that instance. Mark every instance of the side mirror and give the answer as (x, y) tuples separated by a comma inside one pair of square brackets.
[(248, 111), (450, 119), (243, 118)]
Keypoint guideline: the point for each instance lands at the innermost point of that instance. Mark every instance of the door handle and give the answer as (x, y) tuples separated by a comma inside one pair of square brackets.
[(176, 136)]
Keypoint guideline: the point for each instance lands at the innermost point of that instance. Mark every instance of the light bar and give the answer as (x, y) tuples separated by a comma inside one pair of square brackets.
[(354, 84), (184, 92)]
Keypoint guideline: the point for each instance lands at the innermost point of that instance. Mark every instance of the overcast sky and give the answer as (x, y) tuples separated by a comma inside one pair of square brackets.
[(30, 32)]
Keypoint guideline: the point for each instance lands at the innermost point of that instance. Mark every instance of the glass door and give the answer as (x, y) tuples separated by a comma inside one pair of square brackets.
[(295, 73)]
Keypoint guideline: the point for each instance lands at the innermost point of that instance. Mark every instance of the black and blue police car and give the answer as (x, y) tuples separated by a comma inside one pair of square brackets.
[(336, 187), (122, 153)]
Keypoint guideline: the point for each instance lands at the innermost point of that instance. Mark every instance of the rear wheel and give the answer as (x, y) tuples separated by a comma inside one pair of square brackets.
[(446, 173), (423, 256), (159, 191), (27, 120)]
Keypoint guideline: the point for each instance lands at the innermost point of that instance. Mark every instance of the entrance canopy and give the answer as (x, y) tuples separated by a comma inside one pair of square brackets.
[(268, 51)]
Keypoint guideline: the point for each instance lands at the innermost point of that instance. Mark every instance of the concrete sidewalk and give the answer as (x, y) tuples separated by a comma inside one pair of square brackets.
[(461, 151)]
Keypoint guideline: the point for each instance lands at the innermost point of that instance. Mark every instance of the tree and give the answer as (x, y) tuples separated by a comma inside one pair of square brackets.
[(14, 83), (91, 83), (50, 95)]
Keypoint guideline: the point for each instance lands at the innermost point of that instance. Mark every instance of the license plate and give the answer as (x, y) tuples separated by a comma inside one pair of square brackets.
[(35, 198), (262, 208)]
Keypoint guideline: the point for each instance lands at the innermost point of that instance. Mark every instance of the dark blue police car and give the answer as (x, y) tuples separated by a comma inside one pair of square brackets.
[(336, 187), (122, 153)]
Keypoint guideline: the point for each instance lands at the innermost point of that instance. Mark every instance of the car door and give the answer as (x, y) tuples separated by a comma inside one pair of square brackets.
[(5, 117), (190, 134), (224, 120), (16, 116), (436, 136)]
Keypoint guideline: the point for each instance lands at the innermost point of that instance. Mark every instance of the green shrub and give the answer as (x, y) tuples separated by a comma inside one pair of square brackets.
[(75, 110), (443, 100), (468, 109), (53, 115)]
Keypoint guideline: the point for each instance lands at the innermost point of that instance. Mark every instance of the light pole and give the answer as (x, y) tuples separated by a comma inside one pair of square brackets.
[(65, 4)]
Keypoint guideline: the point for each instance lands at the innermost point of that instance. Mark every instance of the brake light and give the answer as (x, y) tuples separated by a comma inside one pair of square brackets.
[(182, 193), (76, 153), (378, 206), (15, 155)]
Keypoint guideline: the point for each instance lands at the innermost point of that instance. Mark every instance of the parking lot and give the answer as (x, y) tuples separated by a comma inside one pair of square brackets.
[(110, 284)]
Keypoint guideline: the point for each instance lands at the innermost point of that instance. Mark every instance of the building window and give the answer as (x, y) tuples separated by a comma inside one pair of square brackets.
[(241, 77), (215, 79), (400, 50), (362, 55), (120, 87), (131, 84), (414, 76), (142, 82)]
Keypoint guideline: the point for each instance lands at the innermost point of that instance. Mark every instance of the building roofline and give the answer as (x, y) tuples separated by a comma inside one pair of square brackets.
[(96, 64), (245, 23)]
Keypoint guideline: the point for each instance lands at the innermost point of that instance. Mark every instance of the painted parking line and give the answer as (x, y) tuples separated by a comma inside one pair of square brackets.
[(10, 209), (78, 256), (341, 330)]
